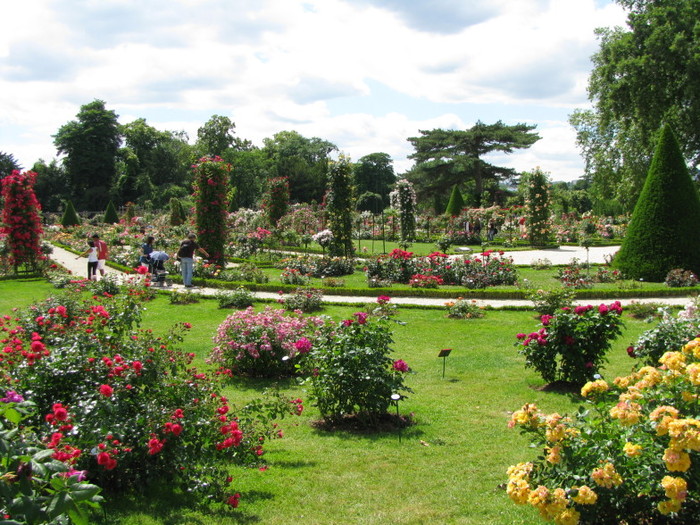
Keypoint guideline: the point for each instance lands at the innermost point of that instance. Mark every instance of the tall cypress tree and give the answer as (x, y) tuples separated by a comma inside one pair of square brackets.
[(664, 231)]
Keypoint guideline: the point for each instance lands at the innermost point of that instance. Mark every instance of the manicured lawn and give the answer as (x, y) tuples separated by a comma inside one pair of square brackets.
[(447, 468)]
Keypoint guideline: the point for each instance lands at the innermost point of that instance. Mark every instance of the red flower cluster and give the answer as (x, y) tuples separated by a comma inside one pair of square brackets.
[(20, 218)]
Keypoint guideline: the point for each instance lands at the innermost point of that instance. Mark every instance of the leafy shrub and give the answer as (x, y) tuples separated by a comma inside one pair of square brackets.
[(573, 276), (547, 302), (679, 277), (571, 345), (382, 307), (245, 272), (265, 344), (127, 405), (239, 298), (605, 275), (645, 310), (670, 334), (304, 299), (294, 276), (541, 264), (629, 456), (374, 282), (333, 266), (464, 309), (333, 282), (185, 297), (420, 280), (351, 371), (37, 486)]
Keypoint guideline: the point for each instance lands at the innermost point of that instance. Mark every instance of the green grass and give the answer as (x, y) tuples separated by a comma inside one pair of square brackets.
[(447, 468)]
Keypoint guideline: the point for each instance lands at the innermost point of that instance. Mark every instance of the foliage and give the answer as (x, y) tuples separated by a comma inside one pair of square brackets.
[(111, 216), (127, 405), (571, 345), (239, 298), (177, 213), (264, 344), (420, 280), (183, 297), (645, 310), (39, 485), (304, 299), (464, 309), (210, 192), (339, 206), (662, 233), (294, 276), (537, 206), (90, 145), (670, 334), (403, 199), (350, 369), (445, 158), (21, 223), (575, 275), (455, 204), (547, 302), (374, 175), (629, 456), (678, 277), (276, 201)]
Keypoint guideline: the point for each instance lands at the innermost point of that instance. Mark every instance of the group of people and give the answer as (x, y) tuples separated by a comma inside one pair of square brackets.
[(97, 256)]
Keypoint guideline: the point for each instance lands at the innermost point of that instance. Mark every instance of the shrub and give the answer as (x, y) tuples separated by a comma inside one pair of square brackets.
[(339, 207), (211, 176), (239, 298), (573, 276), (662, 232), (245, 272), (424, 281), (541, 264), (350, 369), (333, 282), (670, 334), (605, 275), (295, 277), (37, 486), (629, 456), (571, 345), (464, 309), (21, 221), (304, 299), (70, 217), (265, 344), (679, 277), (645, 310), (111, 216), (127, 405), (184, 297), (547, 302)]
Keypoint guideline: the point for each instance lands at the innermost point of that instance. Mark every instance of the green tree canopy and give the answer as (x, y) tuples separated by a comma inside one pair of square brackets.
[(303, 161), (374, 173), (90, 145), (445, 158), (217, 135), (643, 76), (8, 164)]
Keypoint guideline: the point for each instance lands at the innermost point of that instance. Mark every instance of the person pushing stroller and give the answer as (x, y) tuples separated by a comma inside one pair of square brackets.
[(156, 267)]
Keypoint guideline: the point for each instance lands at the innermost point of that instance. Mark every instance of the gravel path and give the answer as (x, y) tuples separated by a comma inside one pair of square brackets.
[(562, 255)]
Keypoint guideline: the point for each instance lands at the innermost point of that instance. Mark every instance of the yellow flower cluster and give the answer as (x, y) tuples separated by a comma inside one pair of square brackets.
[(553, 505), (593, 388), (676, 490), (607, 476)]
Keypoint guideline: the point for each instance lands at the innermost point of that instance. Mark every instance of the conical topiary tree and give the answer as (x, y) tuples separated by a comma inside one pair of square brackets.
[(111, 216), (177, 213), (454, 207), (664, 231), (70, 217)]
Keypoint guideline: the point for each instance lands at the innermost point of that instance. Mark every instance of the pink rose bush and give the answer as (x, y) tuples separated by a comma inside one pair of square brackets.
[(262, 344)]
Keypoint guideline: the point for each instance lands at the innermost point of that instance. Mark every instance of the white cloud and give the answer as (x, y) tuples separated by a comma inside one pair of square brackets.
[(274, 65)]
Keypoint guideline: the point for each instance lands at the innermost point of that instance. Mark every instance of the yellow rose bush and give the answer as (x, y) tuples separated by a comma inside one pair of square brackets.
[(630, 455)]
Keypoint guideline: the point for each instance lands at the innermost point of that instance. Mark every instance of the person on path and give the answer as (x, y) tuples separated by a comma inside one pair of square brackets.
[(91, 253), (102, 253), (186, 257), (146, 250)]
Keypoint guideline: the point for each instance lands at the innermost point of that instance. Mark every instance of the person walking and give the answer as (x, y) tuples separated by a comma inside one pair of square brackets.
[(186, 257), (102, 253), (91, 253)]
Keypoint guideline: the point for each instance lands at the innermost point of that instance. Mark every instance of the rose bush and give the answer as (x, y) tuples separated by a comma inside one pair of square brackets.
[(630, 455), (571, 345), (125, 405), (262, 344)]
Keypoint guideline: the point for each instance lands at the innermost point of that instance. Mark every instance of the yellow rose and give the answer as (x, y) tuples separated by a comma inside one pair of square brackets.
[(676, 460), (632, 450), (676, 488), (585, 496)]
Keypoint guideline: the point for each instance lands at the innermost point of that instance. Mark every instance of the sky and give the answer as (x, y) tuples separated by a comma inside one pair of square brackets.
[(362, 74)]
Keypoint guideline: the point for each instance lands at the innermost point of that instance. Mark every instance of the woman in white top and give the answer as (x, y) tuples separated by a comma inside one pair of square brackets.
[(91, 253)]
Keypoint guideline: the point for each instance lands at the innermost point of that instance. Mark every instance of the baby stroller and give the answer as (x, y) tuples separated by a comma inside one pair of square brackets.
[(156, 267)]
